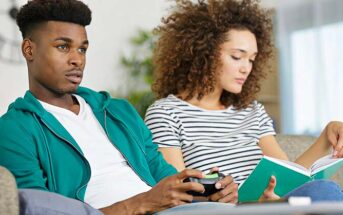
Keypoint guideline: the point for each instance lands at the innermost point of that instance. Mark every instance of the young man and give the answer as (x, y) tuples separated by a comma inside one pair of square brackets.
[(79, 143)]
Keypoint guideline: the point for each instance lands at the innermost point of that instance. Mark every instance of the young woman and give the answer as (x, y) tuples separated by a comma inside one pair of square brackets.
[(209, 60)]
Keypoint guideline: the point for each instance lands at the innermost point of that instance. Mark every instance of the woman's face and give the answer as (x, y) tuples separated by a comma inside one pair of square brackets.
[(237, 56)]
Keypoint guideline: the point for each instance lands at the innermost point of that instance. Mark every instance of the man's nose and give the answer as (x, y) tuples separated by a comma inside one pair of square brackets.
[(76, 59)]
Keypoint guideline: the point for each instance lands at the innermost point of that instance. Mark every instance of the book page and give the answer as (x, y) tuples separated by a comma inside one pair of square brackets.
[(323, 163), (290, 165)]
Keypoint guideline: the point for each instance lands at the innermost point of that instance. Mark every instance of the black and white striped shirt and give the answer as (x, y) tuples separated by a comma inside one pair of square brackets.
[(227, 139)]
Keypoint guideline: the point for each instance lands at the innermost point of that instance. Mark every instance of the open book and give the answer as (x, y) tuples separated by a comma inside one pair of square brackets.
[(288, 176)]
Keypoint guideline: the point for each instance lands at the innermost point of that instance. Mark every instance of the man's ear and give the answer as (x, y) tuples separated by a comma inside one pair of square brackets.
[(27, 48)]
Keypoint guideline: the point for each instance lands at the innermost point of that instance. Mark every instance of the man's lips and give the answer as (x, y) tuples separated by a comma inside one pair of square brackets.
[(74, 76)]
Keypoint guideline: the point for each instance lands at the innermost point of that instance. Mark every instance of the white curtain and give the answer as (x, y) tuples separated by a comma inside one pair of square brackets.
[(310, 44)]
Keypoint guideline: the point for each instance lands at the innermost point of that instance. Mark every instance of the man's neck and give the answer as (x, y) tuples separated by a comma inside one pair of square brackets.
[(67, 101)]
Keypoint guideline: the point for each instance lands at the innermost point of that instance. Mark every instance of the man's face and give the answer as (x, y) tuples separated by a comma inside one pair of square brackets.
[(58, 58)]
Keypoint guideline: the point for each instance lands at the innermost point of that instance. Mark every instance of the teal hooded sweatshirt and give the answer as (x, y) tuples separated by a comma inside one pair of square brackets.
[(41, 154)]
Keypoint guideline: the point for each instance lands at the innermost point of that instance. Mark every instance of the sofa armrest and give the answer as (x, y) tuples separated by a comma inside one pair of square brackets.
[(9, 203)]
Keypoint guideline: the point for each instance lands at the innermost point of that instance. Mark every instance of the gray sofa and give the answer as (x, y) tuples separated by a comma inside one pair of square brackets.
[(9, 203), (293, 146)]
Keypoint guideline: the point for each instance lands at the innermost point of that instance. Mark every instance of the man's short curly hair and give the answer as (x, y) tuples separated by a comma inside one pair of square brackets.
[(187, 52), (36, 12)]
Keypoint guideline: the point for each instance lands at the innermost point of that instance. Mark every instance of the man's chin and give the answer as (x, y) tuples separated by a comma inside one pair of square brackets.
[(70, 90), (73, 91)]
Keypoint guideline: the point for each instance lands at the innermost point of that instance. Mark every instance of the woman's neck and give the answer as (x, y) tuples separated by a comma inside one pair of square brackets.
[(208, 102)]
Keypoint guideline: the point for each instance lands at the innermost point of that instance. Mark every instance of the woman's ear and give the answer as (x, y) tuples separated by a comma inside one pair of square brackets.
[(27, 48)]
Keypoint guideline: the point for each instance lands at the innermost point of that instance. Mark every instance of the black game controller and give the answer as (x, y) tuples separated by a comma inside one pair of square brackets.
[(208, 182)]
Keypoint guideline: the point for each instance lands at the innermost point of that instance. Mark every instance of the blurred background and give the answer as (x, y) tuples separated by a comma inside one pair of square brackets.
[(302, 93)]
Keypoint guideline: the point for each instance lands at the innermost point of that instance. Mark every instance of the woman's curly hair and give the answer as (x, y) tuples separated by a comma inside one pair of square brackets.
[(186, 56)]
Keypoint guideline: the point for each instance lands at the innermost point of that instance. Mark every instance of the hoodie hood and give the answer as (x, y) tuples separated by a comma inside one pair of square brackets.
[(98, 101)]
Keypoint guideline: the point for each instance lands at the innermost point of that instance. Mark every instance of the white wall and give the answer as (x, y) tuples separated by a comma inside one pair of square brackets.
[(114, 23), (282, 3), (13, 77)]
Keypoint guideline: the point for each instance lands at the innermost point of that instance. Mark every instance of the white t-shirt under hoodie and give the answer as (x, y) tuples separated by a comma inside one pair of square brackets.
[(108, 166)]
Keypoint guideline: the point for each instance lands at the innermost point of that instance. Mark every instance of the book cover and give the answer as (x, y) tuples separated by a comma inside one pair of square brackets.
[(288, 175)]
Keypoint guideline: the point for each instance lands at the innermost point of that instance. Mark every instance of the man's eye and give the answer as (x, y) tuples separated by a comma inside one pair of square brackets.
[(62, 47), (83, 50)]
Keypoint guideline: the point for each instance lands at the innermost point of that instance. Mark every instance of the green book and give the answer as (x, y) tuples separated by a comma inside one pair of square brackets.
[(288, 176)]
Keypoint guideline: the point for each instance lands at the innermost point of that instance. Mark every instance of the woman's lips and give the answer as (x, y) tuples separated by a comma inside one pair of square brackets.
[(240, 80)]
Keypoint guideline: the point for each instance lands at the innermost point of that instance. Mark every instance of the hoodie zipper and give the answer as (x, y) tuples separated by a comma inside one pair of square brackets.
[(49, 155), (105, 116), (88, 165)]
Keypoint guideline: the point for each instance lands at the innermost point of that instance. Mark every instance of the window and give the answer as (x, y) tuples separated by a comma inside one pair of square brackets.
[(311, 53)]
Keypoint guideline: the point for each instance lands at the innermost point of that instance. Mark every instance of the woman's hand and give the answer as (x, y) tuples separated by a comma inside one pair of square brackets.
[(269, 193), (331, 137), (334, 134), (228, 190)]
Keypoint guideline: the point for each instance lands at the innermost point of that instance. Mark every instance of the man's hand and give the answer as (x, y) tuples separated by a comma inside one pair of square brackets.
[(269, 193), (334, 134), (171, 191)]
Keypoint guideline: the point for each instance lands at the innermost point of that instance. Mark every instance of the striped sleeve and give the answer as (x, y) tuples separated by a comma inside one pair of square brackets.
[(265, 122), (164, 126)]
